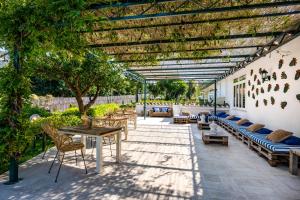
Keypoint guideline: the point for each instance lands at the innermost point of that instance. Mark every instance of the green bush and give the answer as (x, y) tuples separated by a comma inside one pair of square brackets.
[(73, 111), (102, 109), (28, 110)]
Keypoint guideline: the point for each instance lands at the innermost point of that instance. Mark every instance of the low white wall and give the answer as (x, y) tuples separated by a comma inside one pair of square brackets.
[(273, 116), (177, 109)]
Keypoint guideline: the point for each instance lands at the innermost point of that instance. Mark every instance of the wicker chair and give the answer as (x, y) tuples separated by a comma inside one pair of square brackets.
[(63, 144)]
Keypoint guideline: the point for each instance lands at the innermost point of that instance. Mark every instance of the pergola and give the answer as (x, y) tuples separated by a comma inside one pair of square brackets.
[(189, 39)]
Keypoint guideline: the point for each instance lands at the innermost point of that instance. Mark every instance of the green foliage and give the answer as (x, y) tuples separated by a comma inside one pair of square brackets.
[(102, 109), (155, 90), (191, 90), (73, 111), (172, 89), (85, 73), (42, 87), (28, 110)]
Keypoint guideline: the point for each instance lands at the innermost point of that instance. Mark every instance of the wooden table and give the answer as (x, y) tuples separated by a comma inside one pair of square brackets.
[(180, 119), (293, 166), (214, 137), (99, 133), (203, 125)]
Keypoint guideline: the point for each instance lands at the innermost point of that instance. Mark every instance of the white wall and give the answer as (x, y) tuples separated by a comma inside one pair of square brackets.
[(273, 116)]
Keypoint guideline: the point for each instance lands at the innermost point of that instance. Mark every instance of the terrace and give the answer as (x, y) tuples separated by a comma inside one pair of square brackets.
[(241, 56), (161, 160)]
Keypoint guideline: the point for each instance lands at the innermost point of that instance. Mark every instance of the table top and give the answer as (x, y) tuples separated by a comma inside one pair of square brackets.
[(119, 118), (181, 117), (199, 122), (215, 133), (97, 131)]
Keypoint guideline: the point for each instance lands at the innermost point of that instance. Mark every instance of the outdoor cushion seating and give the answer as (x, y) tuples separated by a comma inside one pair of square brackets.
[(274, 152), (161, 112), (264, 131), (275, 147), (255, 127), (246, 124), (293, 140), (278, 135), (156, 109), (230, 117), (241, 121), (235, 119)]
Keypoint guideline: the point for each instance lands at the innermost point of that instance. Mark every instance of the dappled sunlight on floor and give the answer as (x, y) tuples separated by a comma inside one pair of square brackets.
[(160, 160)]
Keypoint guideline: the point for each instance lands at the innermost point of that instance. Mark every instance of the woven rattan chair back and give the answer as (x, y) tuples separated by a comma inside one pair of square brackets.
[(58, 139)]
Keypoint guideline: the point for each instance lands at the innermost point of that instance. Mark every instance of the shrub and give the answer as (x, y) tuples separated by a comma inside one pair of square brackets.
[(29, 110), (102, 109), (73, 111)]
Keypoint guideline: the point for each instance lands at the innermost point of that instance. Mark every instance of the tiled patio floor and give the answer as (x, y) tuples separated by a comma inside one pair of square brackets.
[(161, 160)]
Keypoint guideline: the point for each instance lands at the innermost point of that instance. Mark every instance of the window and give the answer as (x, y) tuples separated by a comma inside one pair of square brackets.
[(239, 93)]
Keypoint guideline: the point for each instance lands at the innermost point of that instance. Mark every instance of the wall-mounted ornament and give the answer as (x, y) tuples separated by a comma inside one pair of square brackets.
[(248, 93), (255, 77), (286, 87), (265, 102), (272, 100), (283, 104), (280, 63), (253, 96), (251, 72), (269, 87), (297, 75), (249, 83), (258, 82), (260, 70), (257, 91), (276, 87), (293, 62), (298, 97), (274, 76), (256, 104), (252, 88), (283, 75), (262, 90), (264, 75)]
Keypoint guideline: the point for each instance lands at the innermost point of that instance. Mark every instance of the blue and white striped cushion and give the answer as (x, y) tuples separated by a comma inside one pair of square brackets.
[(276, 147), (245, 132), (194, 117), (259, 138)]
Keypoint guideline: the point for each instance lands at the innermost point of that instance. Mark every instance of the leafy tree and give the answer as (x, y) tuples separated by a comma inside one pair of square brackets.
[(191, 90), (29, 28), (86, 74), (172, 88), (43, 87), (155, 90)]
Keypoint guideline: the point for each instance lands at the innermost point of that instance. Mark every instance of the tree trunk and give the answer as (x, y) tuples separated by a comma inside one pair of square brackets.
[(80, 105)]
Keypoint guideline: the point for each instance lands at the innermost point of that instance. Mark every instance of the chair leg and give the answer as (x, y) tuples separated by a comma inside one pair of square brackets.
[(53, 162), (76, 157), (110, 146), (83, 161), (93, 146), (62, 160), (45, 151)]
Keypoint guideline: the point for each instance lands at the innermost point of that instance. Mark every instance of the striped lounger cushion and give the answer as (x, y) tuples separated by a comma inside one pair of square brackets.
[(276, 147), (194, 117)]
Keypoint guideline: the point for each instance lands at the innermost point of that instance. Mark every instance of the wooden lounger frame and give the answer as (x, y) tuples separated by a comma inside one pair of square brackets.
[(272, 157)]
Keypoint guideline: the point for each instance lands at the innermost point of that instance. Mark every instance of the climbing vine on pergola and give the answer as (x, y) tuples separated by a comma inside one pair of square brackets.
[(149, 36)]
